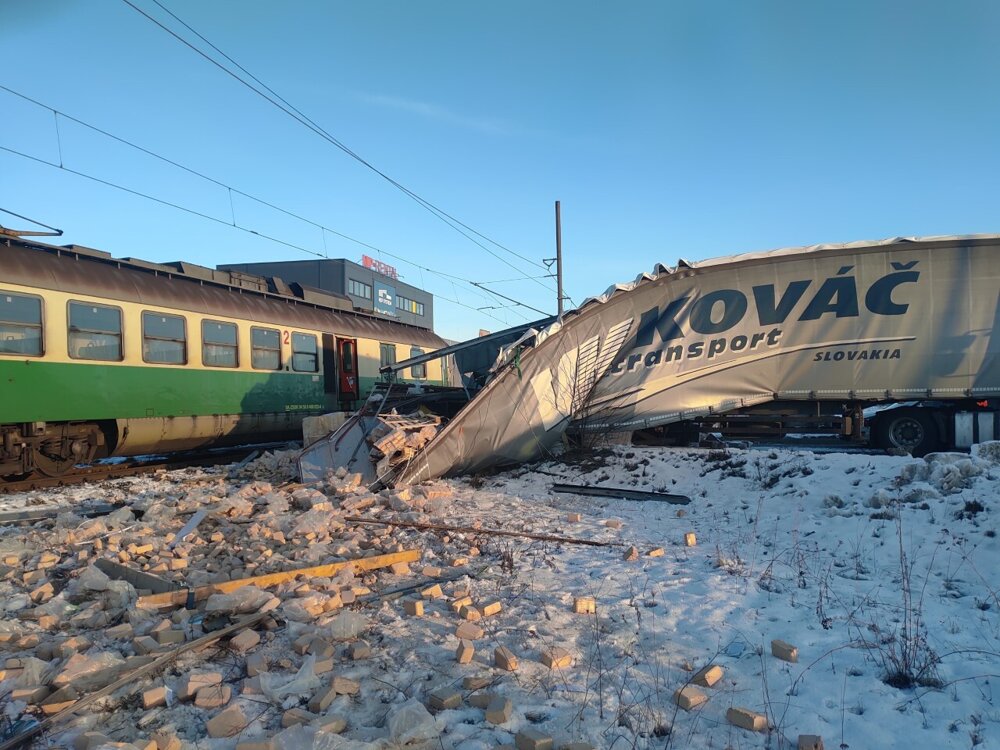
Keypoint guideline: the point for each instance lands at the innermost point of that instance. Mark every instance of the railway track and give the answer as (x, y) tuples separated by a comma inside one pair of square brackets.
[(105, 471)]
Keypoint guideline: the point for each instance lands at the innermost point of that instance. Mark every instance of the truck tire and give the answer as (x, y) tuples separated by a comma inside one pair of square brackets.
[(910, 431)]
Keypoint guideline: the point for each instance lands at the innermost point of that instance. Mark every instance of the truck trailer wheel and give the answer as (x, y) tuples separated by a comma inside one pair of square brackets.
[(910, 431)]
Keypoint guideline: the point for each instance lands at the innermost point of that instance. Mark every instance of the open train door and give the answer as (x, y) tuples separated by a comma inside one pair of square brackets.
[(347, 353)]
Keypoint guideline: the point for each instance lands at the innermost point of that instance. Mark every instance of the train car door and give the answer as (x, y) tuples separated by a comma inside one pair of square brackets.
[(330, 375), (347, 353)]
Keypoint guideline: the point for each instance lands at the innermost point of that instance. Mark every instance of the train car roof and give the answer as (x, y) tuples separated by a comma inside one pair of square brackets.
[(194, 288)]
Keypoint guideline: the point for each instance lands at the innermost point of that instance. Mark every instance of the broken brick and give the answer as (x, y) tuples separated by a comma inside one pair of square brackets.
[(631, 554), (690, 539), (504, 658), (557, 658), (414, 608), (746, 719), (359, 650), (470, 613), (584, 605), (153, 697), (213, 696), (228, 722), (493, 608), (810, 742), (656, 552), (444, 699), (689, 697), (346, 686), (707, 676), (784, 651), (469, 631), (192, 683), (532, 739), (499, 710), (294, 716), (464, 652), (244, 641)]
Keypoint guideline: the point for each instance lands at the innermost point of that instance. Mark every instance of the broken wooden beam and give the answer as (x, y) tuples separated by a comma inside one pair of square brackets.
[(621, 492), (132, 678), (491, 532), (183, 596), (138, 578)]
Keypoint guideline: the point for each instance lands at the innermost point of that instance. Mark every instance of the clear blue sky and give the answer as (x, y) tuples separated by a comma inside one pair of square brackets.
[(667, 129)]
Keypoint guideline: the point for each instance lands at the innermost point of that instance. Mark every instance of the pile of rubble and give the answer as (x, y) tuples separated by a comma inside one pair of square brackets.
[(209, 608), (396, 439)]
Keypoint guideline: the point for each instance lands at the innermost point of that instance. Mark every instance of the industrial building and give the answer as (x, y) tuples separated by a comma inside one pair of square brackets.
[(371, 285)]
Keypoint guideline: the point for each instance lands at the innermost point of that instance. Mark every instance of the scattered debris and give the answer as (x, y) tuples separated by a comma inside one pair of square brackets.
[(621, 492)]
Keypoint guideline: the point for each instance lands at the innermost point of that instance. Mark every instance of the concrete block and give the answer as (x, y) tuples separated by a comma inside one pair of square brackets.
[(470, 613), (213, 696), (504, 658), (60, 700), (256, 664), (192, 683), (444, 699), (690, 540), (332, 723), (154, 697), (323, 666), (432, 592), (294, 716), (481, 700), (631, 554), (689, 697), (170, 637), (227, 723), (574, 517), (476, 682), (810, 742), (784, 651), (346, 686), (464, 652), (533, 739), (656, 552), (499, 710), (469, 631), (244, 641), (359, 650), (557, 658), (584, 605), (414, 608), (167, 741), (322, 700), (145, 645), (744, 718), (493, 608), (707, 676), (32, 695)]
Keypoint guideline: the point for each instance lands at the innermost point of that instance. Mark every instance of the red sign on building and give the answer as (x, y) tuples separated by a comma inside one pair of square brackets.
[(379, 267)]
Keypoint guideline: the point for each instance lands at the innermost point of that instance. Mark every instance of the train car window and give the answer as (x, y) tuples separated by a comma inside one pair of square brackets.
[(219, 346), (417, 371), (164, 339), (265, 349), (95, 332), (20, 325), (304, 353), (387, 354)]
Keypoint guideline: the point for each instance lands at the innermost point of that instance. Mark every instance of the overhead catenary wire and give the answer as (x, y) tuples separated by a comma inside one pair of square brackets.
[(276, 100), (205, 216), (231, 190)]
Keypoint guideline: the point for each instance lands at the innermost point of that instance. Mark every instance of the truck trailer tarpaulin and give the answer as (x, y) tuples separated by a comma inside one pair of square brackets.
[(870, 322)]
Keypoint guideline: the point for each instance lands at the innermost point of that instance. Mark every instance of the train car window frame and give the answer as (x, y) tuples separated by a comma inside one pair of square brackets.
[(418, 372), (383, 350), (255, 348), (21, 324), (76, 331), (146, 337), (233, 348), (298, 338)]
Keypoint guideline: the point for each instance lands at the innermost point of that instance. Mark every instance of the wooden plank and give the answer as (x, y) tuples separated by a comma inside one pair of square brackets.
[(275, 579), (138, 578), (485, 532), (625, 494), (130, 679)]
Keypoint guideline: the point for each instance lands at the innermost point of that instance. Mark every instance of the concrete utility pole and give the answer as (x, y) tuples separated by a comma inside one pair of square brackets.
[(559, 278)]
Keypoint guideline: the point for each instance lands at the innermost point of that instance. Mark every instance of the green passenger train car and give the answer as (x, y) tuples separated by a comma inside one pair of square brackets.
[(115, 357)]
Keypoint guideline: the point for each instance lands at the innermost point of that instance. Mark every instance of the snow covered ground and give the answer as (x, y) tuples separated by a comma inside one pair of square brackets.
[(881, 570)]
